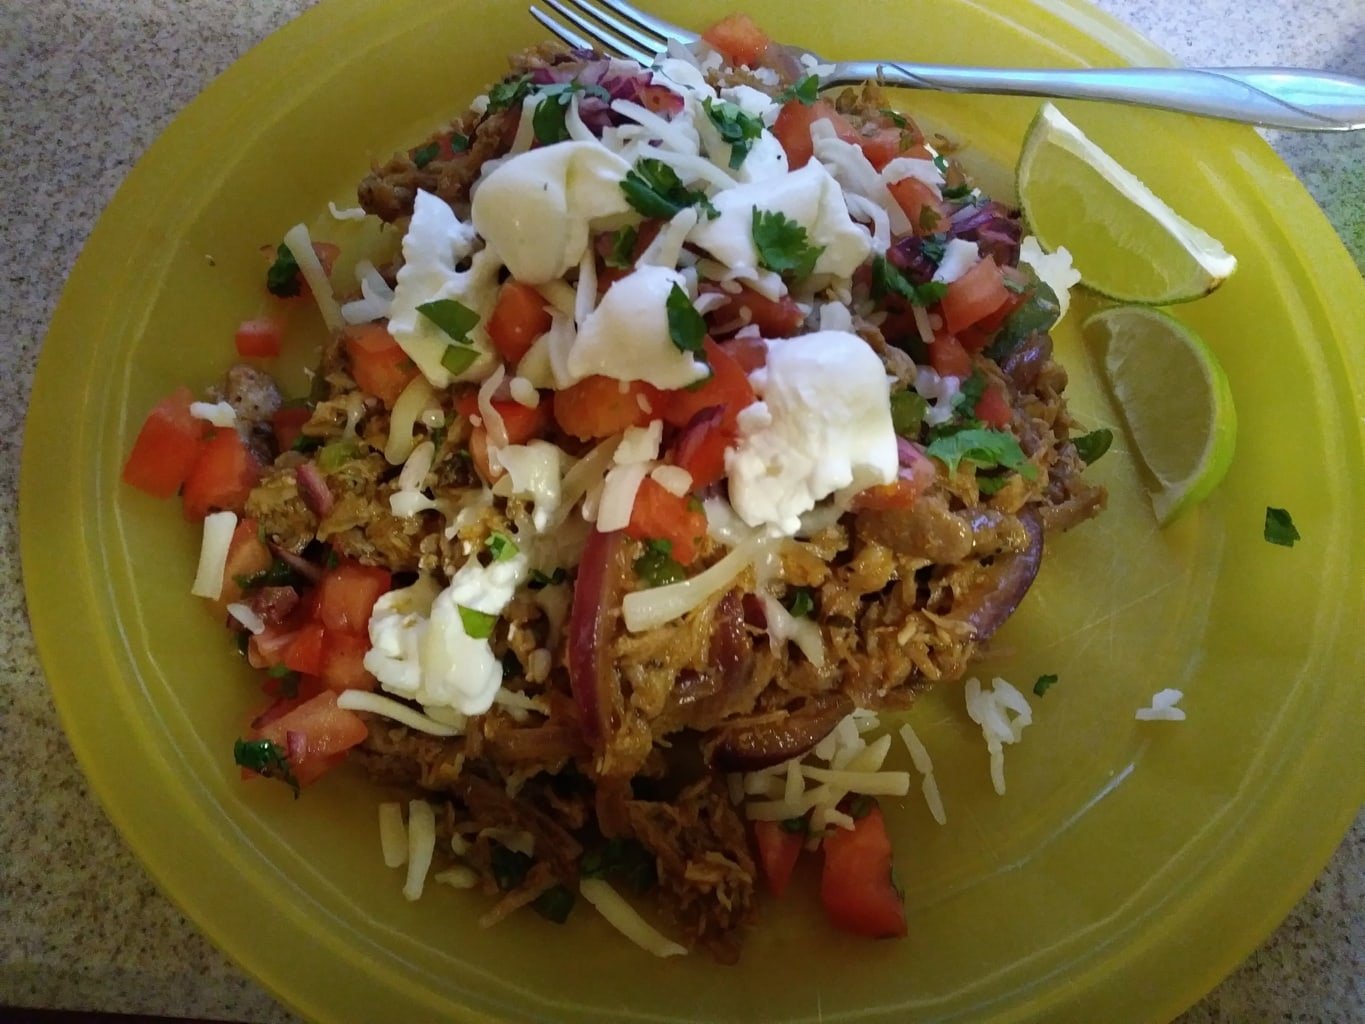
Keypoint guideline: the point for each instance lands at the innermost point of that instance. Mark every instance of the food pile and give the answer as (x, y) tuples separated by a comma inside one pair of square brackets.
[(700, 419)]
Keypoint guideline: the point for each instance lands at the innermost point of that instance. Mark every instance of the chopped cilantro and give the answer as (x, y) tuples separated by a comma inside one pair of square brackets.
[(279, 672), (459, 142), (861, 806), (985, 447), (335, 455), (655, 190), (737, 129), (438, 438), (928, 218), (800, 602), (477, 625), (686, 327), (1280, 528), (622, 255), (305, 443), (888, 280), (1036, 313), (451, 316), (934, 247), (1094, 444), (961, 191), (458, 358), (895, 117), (277, 574), (941, 162), (267, 760), (783, 245), (539, 579), (550, 118), (969, 394), (282, 279), (503, 547), (907, 412), (1043, 684), (554, 904), (657, 566), (333, 559), (423, 155), (988, 485), (798, 826), (508, 93), (805, 91)]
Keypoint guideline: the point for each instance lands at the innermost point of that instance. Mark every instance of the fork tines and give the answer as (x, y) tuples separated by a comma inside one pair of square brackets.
[(612, 26)]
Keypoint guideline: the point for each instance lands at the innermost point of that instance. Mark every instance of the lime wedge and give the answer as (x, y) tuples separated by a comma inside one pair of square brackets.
[(1175, 401), (1125, 242)]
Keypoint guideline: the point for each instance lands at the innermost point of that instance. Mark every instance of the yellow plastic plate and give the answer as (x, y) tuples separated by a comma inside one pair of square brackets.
[(1131, 864)]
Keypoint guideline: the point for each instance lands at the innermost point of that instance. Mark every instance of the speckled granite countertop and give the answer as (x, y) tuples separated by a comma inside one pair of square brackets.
[(85, 86)]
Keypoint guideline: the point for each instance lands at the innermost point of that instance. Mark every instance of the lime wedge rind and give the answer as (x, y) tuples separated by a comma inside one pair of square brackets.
[(1194, 261)]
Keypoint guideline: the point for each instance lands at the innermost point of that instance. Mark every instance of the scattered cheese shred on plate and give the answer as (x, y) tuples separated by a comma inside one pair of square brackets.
[(624, 918), (421, 847), (393, 835)]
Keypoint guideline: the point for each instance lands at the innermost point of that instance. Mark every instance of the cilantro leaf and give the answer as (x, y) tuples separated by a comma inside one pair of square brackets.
[(282, 279), (961, 191), (928, 218), (985, 447), (477, 625), (539, 579), (657, 567), (800, 602), (451, 316), (1280, 528), (459, 142), (502, 547), (267, 760), (969, 394), (654, 189), (795, 826), (1036, 313), (554, 904), (1094, 444), (888, 280), (509, 92), (934, 247), (783, 245), (622, 256), (988, 485), (1043, 684), (737, 129), (895, 117), (423, 155), (686, 327), (548, 121), (805, 91), (907, 412)]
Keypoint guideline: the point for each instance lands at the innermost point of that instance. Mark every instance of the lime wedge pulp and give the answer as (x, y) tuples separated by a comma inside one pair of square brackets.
[(1174, 398), (1125, 241)]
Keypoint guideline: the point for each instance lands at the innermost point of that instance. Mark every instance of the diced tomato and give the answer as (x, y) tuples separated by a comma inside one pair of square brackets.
[(378, 365), (166, 446), (973, 296), (778, 850), (343, 663), (660, 515), (521, 422), (922, 206), (327, 731), (247, 555), (993, 407), (601, 406), (916, 475), (855, 885), (882, 145), (750, 353), (259, 339), (517, 320), (304, 653), (269, 647), (774, 319), (288, 423), (739, 39), (221, 477), (700, 448), (948, 357), (727, 388), (792, 129), (347, 594)]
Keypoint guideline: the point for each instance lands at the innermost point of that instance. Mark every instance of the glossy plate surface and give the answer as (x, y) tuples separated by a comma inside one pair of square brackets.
[(1130, 866)]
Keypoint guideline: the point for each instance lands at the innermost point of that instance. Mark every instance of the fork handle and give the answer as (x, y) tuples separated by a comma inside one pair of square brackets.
[(1292, 98)]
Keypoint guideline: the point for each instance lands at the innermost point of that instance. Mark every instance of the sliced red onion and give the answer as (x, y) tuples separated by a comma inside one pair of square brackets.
[(313, 489), (298, 563), (995, 229), (908, 256), (593, 620), (273, 604), (747, 748)]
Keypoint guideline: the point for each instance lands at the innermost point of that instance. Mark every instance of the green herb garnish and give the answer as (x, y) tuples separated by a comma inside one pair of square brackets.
[(655, 190), (306, 443), (962, 191), (512, 91), (335, 455), (895, 117), (798, 826), (989, 485), (459, 142), (1043, 684), (1035, 314), (554, 904), (452, 316), (277, 574), (539, 579), (861, 806), (985, 447), (907, 413), (657, 567), (458, 358), (969, 394), (782, 245), (686, 327), (502, 547), (737, 129), (477, 625), (1094, 444), (622, 255), (282, 279), (888, 280), (805, 91), (267, 760), (800, 602), (549, 121), (1280, 528), (423, 155), (928, 218)]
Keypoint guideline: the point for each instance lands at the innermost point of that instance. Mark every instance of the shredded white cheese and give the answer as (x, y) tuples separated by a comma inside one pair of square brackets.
[(393, 835), (387, 707), (213, 553), (252, 622), (1163, 708), (647, 609), (624, 918), (300, 244), (421, 846), (220, 414)]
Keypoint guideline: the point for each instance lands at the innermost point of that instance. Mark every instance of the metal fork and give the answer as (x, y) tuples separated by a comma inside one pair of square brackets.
[(1295, 98)]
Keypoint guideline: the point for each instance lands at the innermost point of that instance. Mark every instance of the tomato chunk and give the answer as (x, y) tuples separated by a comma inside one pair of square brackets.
[(739, 39), (948, 357), (247, 556), (916, 475), (259, 339), (221, 477), (166, 446), (519, 317), (378, 365), (343, 662), (661, 515), (521, 422), (347, 594), (324, 730), (727, 389), (288, 425), (856, 888), (881, 145), (922, 206), (601, 406), (778, 851), (792, 129), (700, 449), (305, 650), (974, 296), (774, 319), (993, 407)]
